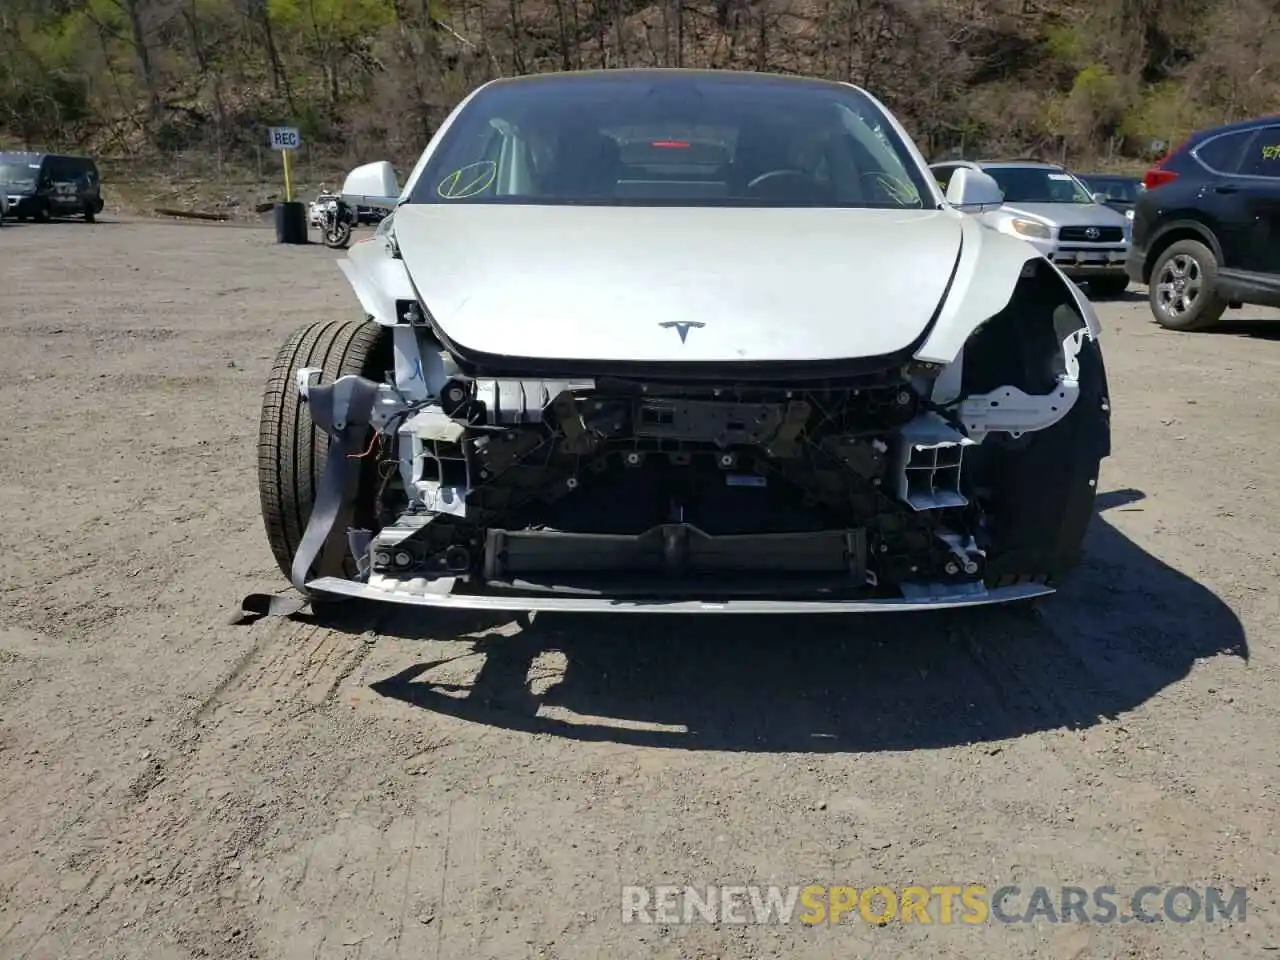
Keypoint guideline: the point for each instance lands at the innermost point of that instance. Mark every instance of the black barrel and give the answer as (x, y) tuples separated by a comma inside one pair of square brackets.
[(291, 222)]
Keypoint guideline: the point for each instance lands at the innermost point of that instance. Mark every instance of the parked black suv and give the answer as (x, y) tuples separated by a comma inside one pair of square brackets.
[(1206, 231), (40, 186)]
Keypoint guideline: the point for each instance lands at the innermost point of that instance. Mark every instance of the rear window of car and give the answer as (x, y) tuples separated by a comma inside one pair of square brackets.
[(1039, 185), (1225, 152), (637, 139), (1119, 189), (18, 173), (1262, 156)]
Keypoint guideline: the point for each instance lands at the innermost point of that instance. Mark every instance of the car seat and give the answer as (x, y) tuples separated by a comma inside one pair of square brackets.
[(587, 166)]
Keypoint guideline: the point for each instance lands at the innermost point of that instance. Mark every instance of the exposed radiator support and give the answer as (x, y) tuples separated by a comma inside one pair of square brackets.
[(928, 460)]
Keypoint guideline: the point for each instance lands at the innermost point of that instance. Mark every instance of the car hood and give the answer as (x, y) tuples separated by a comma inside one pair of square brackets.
[(1068, 214), (677, 284)]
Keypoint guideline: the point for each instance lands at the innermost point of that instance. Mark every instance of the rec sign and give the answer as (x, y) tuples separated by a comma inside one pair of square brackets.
[(284, 138)]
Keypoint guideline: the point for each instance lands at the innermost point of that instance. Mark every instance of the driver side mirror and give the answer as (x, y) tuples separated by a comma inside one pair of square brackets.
[(1100, 198), (973, 191), (372, 185)]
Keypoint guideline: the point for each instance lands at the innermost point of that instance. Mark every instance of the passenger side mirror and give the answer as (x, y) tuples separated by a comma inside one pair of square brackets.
[(973, 191), (1100, 198), (372, 185)]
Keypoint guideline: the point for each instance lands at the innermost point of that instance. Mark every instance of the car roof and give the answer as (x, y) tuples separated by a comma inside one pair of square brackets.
[(1238, 125), (1008, 164), (999, 164), (35, 156), (668, 74)]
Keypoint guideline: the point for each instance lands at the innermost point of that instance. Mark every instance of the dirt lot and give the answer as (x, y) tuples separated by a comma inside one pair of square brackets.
[(172, 786)]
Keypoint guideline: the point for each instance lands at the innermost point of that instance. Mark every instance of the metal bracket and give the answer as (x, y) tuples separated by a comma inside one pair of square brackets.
[(349, 399), (342, 409), (1010, 410)]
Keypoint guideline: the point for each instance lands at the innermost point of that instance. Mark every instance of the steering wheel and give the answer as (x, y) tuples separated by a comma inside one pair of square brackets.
[(782, 174)]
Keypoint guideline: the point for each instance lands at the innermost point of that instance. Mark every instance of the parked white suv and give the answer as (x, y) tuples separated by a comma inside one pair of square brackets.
[(1053, 210)]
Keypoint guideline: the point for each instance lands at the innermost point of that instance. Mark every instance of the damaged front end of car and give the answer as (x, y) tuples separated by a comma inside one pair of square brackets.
[(896, 484)]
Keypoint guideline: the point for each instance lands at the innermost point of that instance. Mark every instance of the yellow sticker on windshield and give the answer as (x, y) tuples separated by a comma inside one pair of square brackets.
[(899, 191), (1271, 152), (469, 181)]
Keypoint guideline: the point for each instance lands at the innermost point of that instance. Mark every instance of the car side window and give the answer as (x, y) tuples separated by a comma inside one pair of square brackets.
[(943, 175), (1262, 159), (1224, 154)]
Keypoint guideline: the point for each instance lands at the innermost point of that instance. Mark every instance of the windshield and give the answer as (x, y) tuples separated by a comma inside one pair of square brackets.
[(647, 139), (21, 175), (1039, 185)]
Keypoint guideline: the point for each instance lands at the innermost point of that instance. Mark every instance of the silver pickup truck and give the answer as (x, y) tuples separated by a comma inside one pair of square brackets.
[(1053, 210)]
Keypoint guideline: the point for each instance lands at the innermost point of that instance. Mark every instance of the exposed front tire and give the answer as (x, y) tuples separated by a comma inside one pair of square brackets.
[(1183, 285), (42, 214), (90, 213), (1107, 288), (1045, 486), (292, 452)]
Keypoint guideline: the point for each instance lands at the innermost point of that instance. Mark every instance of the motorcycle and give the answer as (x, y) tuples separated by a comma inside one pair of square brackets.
[(335, 219)]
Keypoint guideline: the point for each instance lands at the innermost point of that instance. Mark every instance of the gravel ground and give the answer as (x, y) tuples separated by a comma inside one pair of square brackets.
[(172, 786)]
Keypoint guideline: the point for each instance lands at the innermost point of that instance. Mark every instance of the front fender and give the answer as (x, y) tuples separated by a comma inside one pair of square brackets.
[(377, 277), (1083, 304), (991, 264)]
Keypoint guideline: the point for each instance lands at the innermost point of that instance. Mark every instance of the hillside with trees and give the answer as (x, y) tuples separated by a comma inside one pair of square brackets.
[(1095, 79)]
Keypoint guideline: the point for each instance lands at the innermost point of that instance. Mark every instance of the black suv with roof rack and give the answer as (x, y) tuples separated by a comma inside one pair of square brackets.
[(40, 186), (1206, 231)]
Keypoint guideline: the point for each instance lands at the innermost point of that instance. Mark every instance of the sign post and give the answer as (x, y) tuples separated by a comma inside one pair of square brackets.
[(286, 140), (291, 218)]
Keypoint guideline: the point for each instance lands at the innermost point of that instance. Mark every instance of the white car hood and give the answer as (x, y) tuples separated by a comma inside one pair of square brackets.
[(621, 283)]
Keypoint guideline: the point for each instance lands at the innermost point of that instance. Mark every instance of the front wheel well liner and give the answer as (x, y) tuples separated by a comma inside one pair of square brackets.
[(1022, 345)]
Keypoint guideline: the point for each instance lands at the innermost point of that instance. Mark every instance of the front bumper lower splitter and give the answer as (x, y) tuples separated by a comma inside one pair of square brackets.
[(440, 593)]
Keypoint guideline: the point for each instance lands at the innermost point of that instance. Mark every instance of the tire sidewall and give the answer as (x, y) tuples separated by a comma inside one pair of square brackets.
[(293, 452)]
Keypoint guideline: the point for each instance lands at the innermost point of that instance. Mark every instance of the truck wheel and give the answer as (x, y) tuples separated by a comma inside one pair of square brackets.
[(1182, 289), (292, 452), (90, 213)]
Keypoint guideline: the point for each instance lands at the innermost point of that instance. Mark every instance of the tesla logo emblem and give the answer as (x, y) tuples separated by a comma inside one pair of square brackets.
[(682, 327), (1093, 233)]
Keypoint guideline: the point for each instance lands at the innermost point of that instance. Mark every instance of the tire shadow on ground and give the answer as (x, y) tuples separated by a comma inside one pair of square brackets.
[(1128, 296), (1253, 328), (1125, 627)]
